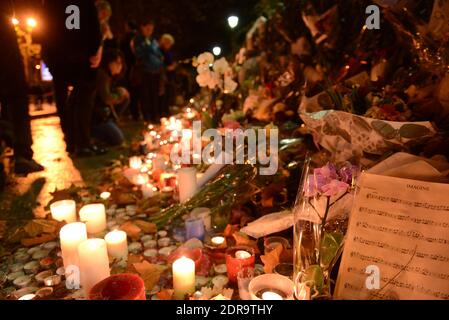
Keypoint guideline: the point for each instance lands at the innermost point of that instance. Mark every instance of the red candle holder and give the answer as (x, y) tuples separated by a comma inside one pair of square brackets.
[(235, 263), (124, 286)]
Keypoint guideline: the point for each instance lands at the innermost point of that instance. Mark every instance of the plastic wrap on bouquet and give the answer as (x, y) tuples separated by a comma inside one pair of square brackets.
[(347, 135)]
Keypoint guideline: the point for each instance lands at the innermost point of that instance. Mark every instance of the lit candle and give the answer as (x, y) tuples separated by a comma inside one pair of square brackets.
[(94, 262), (105, 195), (268, 295), (135, 163), (141, 179), (30, 296), (218, 241), (71, 235), (183, 277), (148, 190), (186, 183), (64, 210), (94, 215), (117, 244), (238, 258), (242, 254)]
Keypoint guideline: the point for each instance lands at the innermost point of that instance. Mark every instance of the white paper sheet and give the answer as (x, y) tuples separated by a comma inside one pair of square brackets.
[(400, 226)]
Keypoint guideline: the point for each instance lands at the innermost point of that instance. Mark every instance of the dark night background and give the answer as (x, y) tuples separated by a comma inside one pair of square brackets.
[(197, 25)]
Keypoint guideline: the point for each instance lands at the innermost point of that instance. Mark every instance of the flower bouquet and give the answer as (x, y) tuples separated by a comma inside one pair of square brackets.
[(321, 215)]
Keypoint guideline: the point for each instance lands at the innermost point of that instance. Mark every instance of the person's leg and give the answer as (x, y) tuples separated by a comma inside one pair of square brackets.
[(154, 97), (13, 92), (108, 133), (145, 96), (134, 102), (60, 84)]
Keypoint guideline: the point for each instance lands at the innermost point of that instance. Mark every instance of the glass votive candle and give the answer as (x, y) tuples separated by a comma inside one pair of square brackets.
[(238, 258), (270, 243), (284, 269), (244, 277), (194, 228), (271, 287)]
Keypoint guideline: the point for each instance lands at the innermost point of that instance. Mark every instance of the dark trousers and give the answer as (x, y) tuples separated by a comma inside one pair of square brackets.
[(74, 108), (13, 90), (149, 95)]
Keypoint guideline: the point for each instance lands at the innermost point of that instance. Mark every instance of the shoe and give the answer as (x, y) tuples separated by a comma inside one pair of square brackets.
[(91, 151), (99, 150), (25, 166), (84, 153)]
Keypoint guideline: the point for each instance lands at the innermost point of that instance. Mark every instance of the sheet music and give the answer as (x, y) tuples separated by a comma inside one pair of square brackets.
[(400, 226)]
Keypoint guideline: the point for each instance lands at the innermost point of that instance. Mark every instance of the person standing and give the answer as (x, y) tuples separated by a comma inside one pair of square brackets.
[(130, 61), (73, 56), (13, 94), (149, 59), (167, 96)]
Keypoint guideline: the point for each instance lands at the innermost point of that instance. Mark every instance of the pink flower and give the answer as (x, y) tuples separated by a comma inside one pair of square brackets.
[(335, 187)]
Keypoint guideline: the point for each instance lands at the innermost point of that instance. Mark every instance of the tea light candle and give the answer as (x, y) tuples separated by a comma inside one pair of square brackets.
[(135, 163), (71, 235), (94, 215), (64, 210), (94, 262), (218, 241), (186, 183), (105, 195), (242, 254), (238, 258), (29, 296), (117, 244), (183, 277), (269, 295), (271, 287)]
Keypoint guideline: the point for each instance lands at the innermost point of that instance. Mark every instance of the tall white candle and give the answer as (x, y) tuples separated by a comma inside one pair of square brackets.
[(94, 215), (94, 263), (117, 244), (183, 277), (71, 235), (186, 183), (64, 210)]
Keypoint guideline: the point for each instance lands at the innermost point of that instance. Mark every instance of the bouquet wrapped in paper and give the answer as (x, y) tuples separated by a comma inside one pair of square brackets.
[(346, 134)]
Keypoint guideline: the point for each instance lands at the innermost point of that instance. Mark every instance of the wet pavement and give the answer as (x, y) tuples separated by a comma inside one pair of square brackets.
[(49, 150)]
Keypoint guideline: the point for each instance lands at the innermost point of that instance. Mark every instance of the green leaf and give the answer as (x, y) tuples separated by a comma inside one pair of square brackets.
[(329, 247), (314, 277)]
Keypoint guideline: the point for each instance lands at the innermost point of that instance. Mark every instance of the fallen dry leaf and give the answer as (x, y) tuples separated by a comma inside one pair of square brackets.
[(165, 294), (131, 230), (150, 273), (147, 227), (242, 240), (229, 230), (30, 242), (272, 259)]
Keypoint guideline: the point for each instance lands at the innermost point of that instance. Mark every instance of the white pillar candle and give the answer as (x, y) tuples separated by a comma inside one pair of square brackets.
[(64, 210), (186, 183), (183, 277), (94, 263), (94, 215), (117, 244), (71, 235)]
